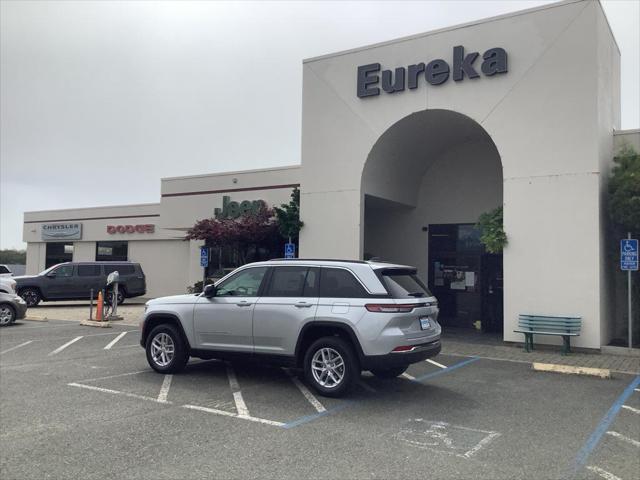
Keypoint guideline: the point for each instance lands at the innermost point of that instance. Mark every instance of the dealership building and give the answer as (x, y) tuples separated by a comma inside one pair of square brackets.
[(404, 145)]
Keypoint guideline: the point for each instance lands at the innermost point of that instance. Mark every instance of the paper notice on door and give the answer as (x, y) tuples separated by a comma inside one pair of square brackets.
[(470, 279), (457, 285)]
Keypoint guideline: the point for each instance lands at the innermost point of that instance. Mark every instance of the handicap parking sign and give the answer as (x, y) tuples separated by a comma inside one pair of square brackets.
[(204, 256), (289, 250), (629, 254)]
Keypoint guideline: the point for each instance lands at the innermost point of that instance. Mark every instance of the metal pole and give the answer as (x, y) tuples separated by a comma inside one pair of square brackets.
[(629, 300), (91, 305), (115, 300)]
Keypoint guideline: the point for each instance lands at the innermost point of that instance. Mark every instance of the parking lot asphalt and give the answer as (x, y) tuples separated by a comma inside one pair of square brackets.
[(79, 402)]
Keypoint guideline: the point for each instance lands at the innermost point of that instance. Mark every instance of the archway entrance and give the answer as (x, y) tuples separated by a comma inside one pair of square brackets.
[(425, 183)]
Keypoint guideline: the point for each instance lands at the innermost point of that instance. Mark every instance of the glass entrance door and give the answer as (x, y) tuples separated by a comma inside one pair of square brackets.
[(464, 278)]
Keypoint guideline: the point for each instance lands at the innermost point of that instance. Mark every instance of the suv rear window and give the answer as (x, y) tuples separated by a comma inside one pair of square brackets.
[(404, 284), (339, 283)]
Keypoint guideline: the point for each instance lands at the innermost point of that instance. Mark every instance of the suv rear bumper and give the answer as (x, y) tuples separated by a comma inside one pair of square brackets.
[(390, 360)]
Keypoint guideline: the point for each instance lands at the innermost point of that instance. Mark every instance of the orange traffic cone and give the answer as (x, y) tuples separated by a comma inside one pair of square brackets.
[(99, 307)]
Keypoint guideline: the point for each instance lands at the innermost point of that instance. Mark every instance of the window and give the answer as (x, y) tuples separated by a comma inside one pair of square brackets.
[(287, 282), (112, 251), (243, 284), (339, 283), (64, 271), (404, 284), (4, 269), (58, 252), (88, 270), (122, 269)]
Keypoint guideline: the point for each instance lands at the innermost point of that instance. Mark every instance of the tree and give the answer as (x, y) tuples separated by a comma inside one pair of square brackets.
[(248, 232), (624, 191), (288, 216), (13, 257), (491, 230)]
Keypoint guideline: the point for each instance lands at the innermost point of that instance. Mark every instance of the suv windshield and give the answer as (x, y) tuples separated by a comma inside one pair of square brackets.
[(404, 284)]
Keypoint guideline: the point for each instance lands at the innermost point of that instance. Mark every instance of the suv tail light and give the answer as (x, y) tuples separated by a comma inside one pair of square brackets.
[(393, 308)]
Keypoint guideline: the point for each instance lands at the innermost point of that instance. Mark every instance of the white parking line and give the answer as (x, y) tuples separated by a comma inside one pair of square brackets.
[(16, 347), (164, 389), (603, 473), (116, 392), (624, 438), (408, 377), (631, 409), (305, 391), (432, 362), (62, 347), (114, 341), (229, 414), (115, 376), (241, 407)]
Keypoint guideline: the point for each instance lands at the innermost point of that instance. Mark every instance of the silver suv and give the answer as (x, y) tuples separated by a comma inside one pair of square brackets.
[(331, 318)]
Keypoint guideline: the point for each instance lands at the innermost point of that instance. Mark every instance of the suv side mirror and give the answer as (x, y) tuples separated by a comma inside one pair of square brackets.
[(210, 291), (51, 274)]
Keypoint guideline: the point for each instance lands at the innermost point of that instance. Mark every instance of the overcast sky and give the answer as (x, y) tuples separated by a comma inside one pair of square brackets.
[(99, 100)]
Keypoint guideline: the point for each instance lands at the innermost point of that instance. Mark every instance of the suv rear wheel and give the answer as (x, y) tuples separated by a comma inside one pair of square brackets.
[(389, 372), (331, 366), (122, 294), (166, 350), (31, 296)]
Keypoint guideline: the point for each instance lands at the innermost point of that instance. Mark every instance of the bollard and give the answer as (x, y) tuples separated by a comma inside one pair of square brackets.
[(100, 307), (91, 305)]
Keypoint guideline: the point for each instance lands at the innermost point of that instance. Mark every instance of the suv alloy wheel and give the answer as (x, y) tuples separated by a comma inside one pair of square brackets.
[(31, 296), (166, 350), (331, 366), (7, 315)]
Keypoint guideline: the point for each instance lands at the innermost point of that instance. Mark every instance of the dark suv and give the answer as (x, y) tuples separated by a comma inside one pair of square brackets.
[(75, 280)]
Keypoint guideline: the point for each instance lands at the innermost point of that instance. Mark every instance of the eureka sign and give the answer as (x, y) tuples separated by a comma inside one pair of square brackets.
[(435, 72), (235, 209)]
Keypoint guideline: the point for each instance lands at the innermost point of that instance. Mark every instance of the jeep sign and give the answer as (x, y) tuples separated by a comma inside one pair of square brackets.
[(436, 72)]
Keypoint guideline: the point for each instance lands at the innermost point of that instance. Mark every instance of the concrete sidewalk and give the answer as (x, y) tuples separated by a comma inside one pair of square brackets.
[(131, 311), (491, 349)]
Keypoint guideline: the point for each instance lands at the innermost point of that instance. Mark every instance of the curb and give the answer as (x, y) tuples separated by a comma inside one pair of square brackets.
[(36, 319), (92, 323), (550, 367)]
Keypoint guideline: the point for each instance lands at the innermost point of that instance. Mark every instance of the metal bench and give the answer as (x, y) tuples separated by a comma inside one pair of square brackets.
[(565, 327)]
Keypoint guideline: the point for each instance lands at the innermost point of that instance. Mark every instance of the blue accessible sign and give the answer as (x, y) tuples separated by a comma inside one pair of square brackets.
[(204, 256), (289, 250), (629, 254)]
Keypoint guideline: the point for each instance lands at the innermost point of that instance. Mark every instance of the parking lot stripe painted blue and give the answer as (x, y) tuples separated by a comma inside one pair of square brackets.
[(310, 418), (603, 426), (446, 370)]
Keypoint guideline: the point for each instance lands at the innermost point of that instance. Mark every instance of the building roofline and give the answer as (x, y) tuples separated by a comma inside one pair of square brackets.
[(236, 172), (456, 27), (101, 207)]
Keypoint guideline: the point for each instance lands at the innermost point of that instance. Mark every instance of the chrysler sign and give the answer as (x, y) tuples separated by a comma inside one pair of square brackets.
[(61, 231), (436, 72)]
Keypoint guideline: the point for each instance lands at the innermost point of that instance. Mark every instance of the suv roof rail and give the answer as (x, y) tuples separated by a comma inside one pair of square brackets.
[(315, 260)]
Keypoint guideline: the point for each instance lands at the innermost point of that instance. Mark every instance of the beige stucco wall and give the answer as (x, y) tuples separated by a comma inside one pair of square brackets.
[(545, 118), (169, 262)]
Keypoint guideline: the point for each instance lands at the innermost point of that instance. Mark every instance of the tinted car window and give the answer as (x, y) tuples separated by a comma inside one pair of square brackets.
[(339, 283), (404, 284), (64, 271), (88, 270), (122, 269), (287, 282), (243, 284), (312, 283), (4, 269)]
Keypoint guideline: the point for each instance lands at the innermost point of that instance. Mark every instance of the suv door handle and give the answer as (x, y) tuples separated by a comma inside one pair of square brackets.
[(243, 303), (303, 305)]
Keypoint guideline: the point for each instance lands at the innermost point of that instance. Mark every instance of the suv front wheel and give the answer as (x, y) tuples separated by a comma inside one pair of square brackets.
[(331, 366), (166, 350)]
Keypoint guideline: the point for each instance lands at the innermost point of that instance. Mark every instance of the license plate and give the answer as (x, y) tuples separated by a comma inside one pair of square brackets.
[(425, 324)]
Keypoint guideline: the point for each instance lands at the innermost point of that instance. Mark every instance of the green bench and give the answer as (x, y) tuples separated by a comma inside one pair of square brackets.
[(565, 327)]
